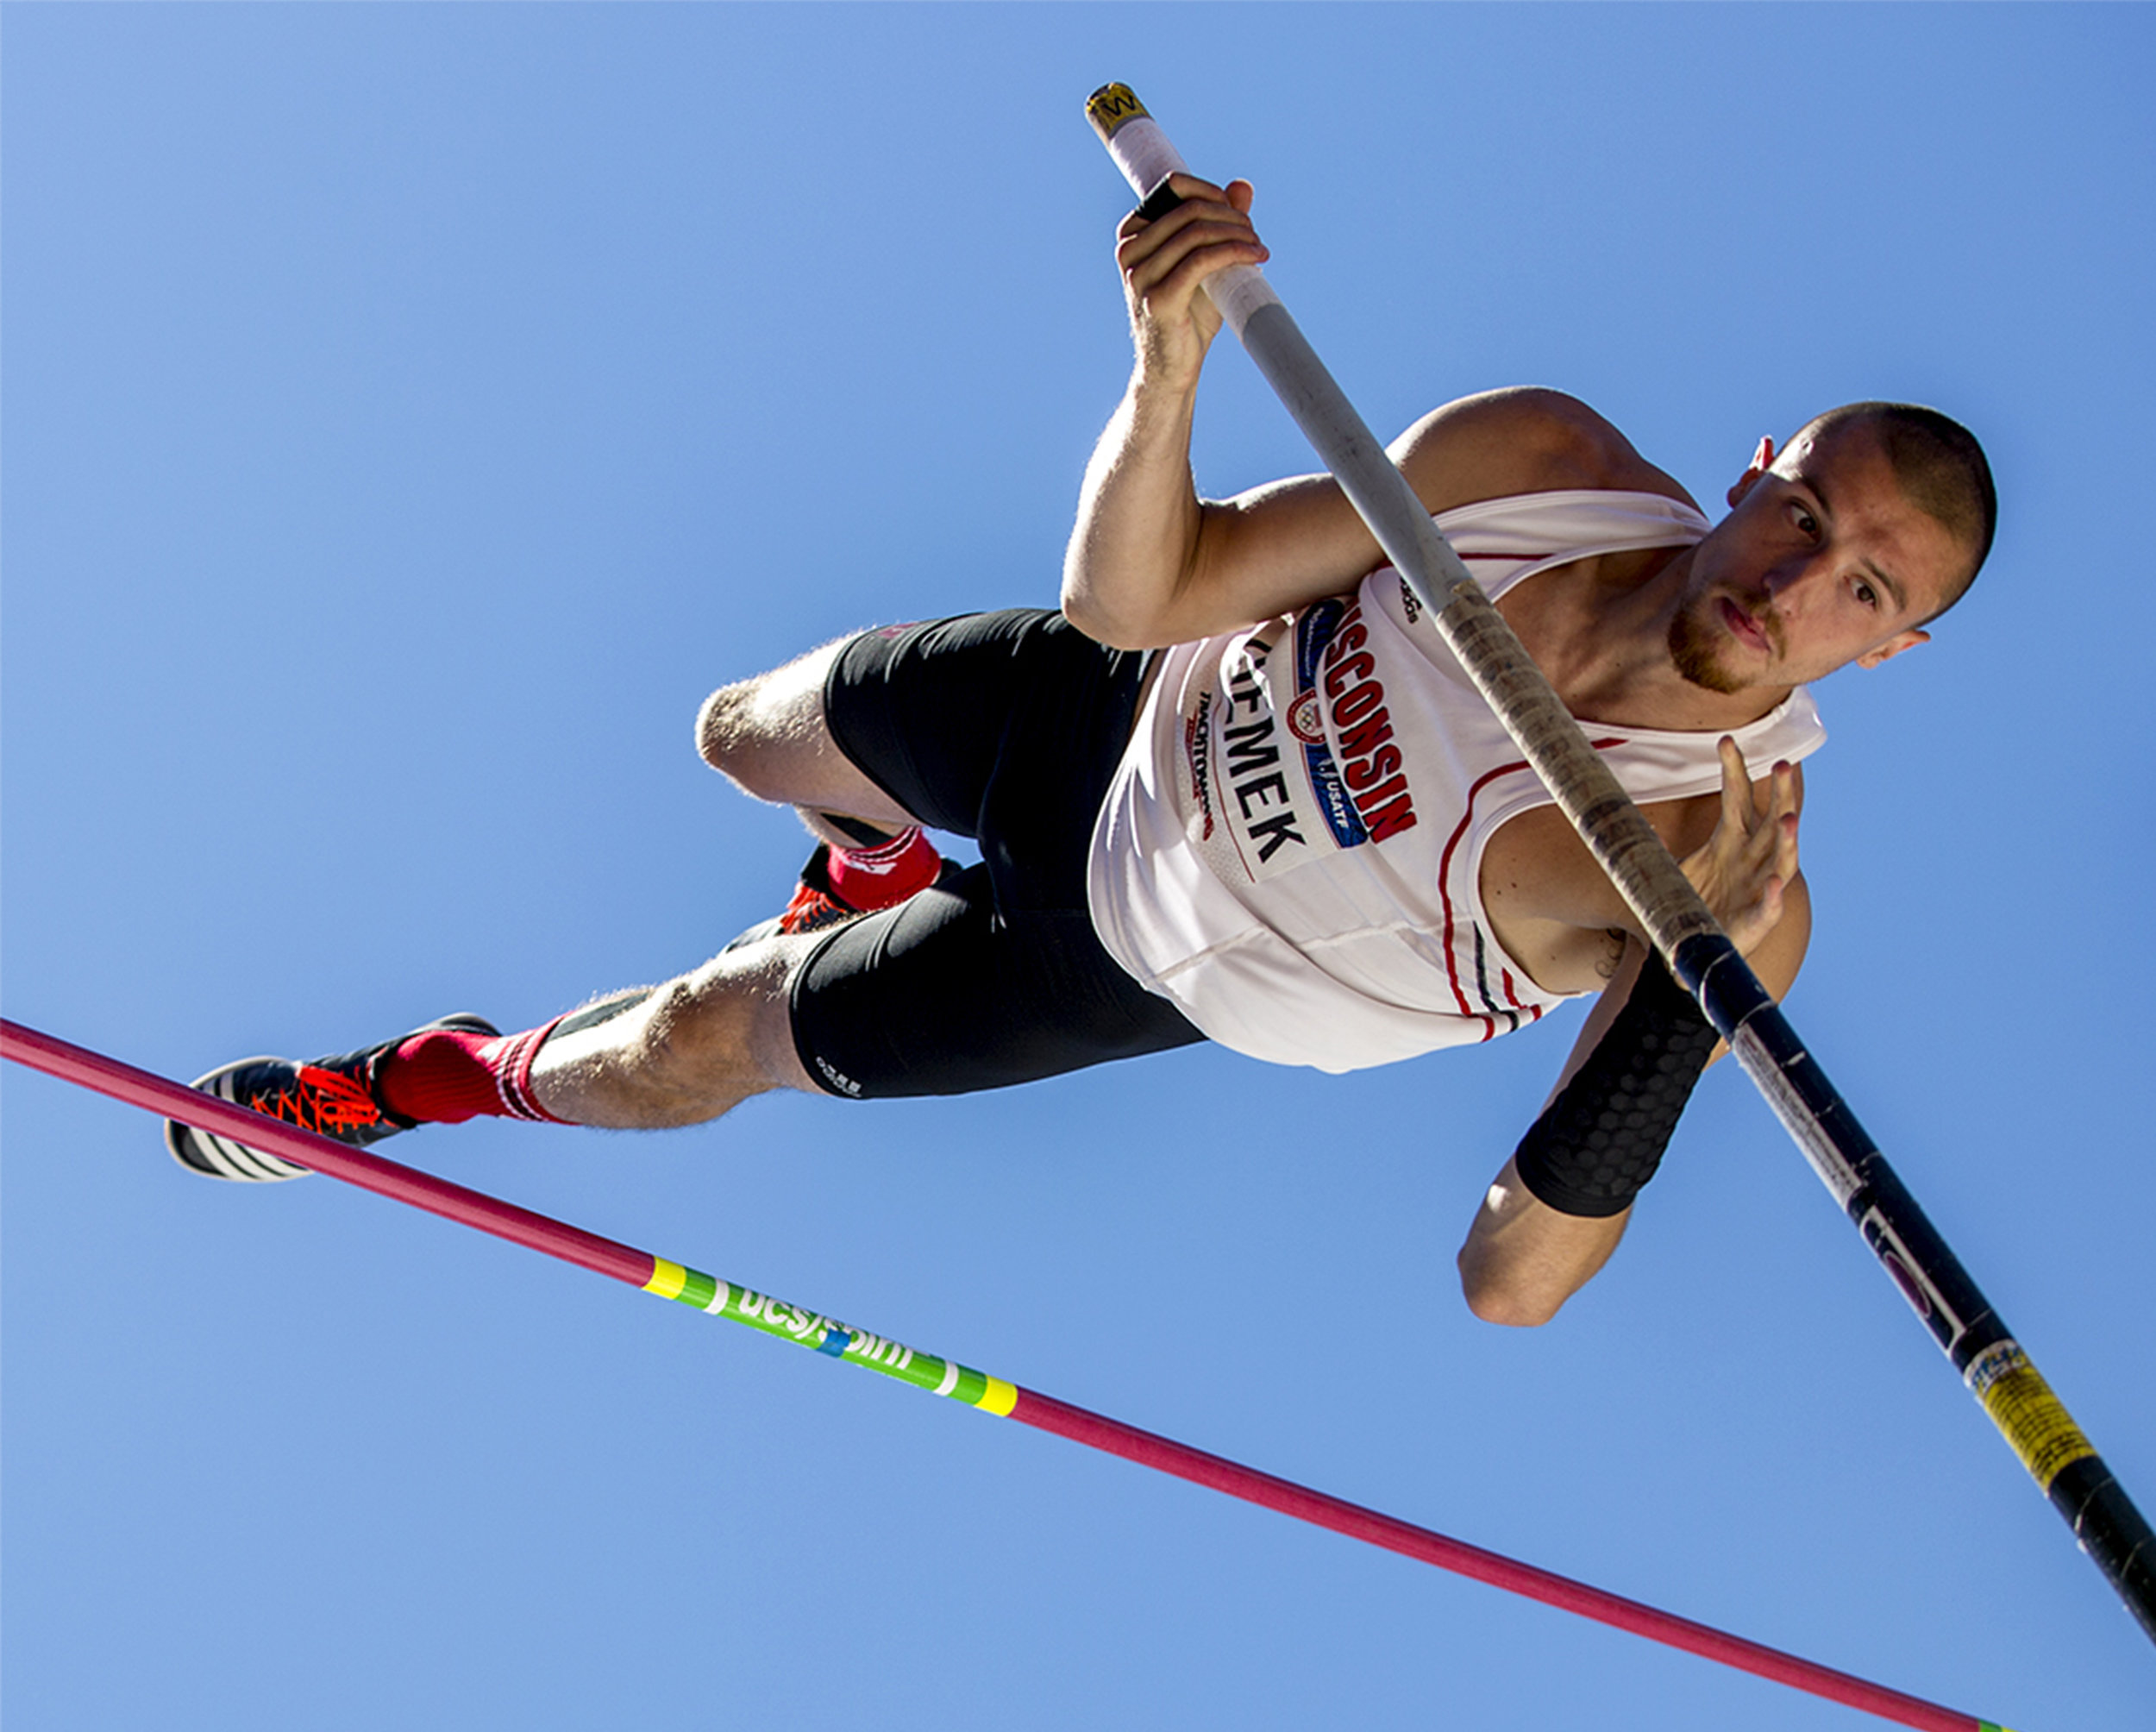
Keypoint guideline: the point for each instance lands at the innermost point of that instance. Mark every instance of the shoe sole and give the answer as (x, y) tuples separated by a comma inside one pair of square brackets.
[(220, 1157)]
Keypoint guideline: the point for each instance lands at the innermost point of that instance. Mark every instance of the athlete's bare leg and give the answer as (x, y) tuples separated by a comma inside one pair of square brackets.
[(678, 1053), (688, 1050), (701, 1043)]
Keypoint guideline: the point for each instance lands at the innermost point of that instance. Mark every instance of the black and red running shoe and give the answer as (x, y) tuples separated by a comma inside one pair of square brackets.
[(336, 1096), (812, 909), (816, 907)]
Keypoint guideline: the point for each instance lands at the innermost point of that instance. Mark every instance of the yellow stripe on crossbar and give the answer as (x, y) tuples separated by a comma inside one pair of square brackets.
[(1000, 1398), (667, 1279)]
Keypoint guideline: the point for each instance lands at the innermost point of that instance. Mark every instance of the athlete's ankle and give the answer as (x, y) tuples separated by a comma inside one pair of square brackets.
[(445, 1076)]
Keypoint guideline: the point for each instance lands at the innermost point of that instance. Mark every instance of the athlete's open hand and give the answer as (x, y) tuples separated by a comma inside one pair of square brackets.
[(1750, 859), (1164, 265)]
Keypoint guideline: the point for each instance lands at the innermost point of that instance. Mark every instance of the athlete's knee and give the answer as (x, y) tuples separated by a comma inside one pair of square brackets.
[(762, 731), (723, 725), (750, 735)]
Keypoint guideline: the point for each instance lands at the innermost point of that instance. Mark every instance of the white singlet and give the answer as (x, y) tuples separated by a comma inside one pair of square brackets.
[(1291, 850)]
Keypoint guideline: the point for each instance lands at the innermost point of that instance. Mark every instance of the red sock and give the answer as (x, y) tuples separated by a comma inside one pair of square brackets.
[(445, 1076), (866, 879)]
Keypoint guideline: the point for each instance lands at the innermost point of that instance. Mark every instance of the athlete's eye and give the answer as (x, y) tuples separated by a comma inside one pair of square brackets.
[(1807, 524), (1867, 594)]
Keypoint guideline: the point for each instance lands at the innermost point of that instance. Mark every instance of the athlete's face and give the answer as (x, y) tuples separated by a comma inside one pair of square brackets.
[(1821, 561)]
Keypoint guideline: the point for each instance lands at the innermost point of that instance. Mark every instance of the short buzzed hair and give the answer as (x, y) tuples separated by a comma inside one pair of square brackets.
[(1941, 466)]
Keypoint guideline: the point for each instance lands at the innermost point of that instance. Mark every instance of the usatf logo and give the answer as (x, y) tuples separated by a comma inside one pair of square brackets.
[(1370, 764)]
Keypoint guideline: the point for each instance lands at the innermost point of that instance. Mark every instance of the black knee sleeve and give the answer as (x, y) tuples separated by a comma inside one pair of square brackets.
[(1600, 1140)]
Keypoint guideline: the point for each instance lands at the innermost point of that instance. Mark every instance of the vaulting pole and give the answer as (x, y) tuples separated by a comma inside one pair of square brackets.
[(1992, 1363), (821, 1334)]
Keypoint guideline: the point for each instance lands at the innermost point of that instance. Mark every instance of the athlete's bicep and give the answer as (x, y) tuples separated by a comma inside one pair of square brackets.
[(1271, 550)]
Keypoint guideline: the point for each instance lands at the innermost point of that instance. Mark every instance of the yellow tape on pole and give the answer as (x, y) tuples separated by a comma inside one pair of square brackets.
[(2028, 1415)]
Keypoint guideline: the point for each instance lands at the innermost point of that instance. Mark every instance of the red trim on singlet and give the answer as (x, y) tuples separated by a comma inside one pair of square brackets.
[(1444, 893)]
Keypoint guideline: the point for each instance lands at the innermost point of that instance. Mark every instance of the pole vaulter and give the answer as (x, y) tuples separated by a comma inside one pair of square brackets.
[(947, 1377), (1700, 954), (1996, 1370)]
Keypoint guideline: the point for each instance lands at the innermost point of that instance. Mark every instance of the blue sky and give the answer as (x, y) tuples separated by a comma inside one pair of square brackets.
[(412, 412)]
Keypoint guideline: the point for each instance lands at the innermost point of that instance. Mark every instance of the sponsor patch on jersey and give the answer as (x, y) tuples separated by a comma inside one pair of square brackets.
[(1198, 756), (1305, 719), (1372, 766)]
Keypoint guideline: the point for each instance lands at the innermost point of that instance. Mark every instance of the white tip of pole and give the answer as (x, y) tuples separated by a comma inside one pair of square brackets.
[(1134, 139), (1142, 151)]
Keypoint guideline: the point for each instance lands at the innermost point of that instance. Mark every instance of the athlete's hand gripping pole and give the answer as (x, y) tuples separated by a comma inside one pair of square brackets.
[(1993, 1366)]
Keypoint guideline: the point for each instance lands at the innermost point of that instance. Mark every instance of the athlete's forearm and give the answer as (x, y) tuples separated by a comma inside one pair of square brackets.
[(1557, 1211), (1135, 546), (1134, 554)]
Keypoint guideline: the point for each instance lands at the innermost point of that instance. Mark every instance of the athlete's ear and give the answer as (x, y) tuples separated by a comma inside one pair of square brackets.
[(1893, 646), (1762, 460)]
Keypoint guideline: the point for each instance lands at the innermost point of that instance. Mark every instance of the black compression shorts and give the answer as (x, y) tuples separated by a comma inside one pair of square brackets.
[(1007, 728)]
